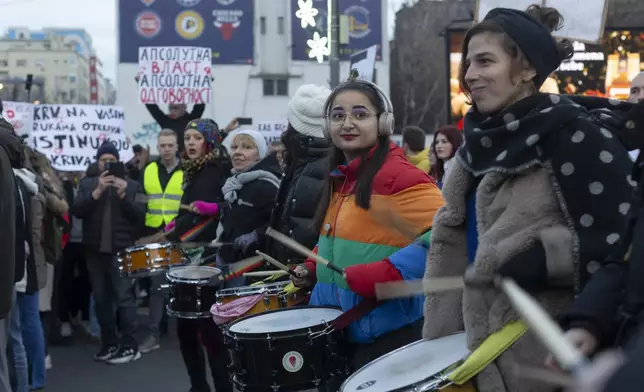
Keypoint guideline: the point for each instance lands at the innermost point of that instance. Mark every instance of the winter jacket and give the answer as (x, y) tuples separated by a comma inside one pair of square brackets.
[(513, 213), (420, 160), (297, 198), (127, 213), (10, 157), (351, 236), (204, 186), (178, 125), (251, 209)]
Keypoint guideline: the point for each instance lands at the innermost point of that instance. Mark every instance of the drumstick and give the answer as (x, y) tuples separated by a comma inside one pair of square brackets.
[(543, 326), (277, 263), (185, 207), (266, 273), (303, 250), (240, 267), (410, 288)]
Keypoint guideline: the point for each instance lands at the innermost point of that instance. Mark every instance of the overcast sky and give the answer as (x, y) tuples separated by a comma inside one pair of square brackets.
[(98, 17)]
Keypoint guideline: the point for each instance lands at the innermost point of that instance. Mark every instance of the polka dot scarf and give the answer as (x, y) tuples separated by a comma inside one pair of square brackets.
[(576, 140)]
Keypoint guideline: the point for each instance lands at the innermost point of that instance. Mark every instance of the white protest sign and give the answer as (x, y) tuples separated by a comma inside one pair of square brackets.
[(271, 130), (174, 74), (20, 115), (583, 19), (69, 135), (364, 62)]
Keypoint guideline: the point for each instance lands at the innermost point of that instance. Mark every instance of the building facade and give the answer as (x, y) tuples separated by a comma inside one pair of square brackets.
[(57, 59), (254, 79)]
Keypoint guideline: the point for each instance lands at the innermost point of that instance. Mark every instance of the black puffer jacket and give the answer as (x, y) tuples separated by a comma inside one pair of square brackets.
[(204, 186), (127, 214), (252, 209), (298, 196), (10, 157)]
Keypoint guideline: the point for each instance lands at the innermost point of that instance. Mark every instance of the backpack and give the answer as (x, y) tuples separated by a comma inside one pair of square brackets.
[(52, 243)]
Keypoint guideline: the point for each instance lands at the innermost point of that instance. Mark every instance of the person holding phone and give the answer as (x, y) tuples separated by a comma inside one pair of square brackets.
[(111, 219)]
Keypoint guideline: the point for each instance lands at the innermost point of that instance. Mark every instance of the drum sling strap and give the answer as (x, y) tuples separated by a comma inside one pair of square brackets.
[(355, 313)]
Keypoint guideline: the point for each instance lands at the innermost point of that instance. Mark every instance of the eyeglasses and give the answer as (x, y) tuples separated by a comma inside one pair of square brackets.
[(338, 118)]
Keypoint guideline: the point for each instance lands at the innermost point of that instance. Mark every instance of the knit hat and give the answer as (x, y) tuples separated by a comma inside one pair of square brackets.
[(258, 138), (208, 128), (306, 110), (107, 148)]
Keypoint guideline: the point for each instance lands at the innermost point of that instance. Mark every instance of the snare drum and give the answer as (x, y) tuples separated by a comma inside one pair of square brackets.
[(419, 366), (287, 349), (193, 291), (273, 294), (150, 259)]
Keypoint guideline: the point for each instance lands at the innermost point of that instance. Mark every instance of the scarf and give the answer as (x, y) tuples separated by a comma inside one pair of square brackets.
[(237, 182), (28, 178), (580, 148), (191, 166)]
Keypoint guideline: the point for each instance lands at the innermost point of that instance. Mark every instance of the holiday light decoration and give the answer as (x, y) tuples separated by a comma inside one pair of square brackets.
[(306, 13), (319, 47)]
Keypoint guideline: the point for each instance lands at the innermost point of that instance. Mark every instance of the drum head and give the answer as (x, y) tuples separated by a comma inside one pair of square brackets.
[(284, 320), (409, 365), (194, 272)]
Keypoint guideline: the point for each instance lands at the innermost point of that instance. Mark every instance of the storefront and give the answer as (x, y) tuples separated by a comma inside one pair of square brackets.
[(600, 70)]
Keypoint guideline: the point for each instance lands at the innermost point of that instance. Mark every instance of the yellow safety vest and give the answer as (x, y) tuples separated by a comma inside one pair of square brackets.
[(163, 205)]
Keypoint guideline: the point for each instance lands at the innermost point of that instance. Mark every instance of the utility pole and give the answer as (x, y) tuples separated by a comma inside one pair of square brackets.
[(333, 28)]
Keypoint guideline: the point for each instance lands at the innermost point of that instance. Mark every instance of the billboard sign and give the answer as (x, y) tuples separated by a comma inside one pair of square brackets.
[(225, 26), (365, 27)]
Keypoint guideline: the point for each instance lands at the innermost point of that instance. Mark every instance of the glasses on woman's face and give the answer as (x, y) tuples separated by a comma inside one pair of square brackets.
[(338, 117)]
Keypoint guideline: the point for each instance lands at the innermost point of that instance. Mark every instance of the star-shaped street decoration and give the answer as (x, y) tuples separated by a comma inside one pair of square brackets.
[(319, 47), (306, 13)]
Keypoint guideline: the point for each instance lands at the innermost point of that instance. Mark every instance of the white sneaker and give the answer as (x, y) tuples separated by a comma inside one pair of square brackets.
[(48, 362), (66, 330)]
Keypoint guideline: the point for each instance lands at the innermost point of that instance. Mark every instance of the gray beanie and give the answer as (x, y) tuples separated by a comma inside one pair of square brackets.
[(306, 110)]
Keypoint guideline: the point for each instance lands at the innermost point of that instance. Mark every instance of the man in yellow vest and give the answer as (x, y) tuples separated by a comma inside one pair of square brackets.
[(162, 181)]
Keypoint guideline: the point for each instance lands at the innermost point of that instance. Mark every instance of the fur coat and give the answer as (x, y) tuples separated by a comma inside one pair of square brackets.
[(514, 211)]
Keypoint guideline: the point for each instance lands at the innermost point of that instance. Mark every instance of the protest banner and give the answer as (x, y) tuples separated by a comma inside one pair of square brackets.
[(270, 130), (69, 135), (20, 115), (174, 74)]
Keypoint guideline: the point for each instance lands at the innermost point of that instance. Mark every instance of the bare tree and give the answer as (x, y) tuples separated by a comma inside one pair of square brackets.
[(417, 68)]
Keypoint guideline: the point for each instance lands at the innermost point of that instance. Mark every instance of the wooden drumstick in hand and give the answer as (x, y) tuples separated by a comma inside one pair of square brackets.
[(540, 322), (277, 263), (303, 250)]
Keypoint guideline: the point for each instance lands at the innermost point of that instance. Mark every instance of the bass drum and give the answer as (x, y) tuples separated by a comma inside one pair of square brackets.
[(422, 366)]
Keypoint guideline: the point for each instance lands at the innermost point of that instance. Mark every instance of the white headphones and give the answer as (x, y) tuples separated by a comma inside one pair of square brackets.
[(386, 122)]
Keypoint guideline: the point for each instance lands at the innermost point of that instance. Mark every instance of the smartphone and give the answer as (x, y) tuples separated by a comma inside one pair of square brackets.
[(117, 169), (244, 121)]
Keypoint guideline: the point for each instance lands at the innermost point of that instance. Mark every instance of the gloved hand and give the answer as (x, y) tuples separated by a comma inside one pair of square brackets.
[(245, 240), (362, 278), (205, 208), (528, 269), (169, 226)]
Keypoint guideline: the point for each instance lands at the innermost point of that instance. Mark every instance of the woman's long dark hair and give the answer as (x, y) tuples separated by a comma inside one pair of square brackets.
[(455, 137), (368, 167)]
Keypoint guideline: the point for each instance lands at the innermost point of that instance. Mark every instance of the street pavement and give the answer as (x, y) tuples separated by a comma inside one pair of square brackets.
[(74, 370)]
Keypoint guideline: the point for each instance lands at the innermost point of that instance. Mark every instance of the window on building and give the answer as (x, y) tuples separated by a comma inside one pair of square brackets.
[(269, 86), (282, 87), (21, 63), (262, 25), (275, 86), (280, 25), (4, 63)]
